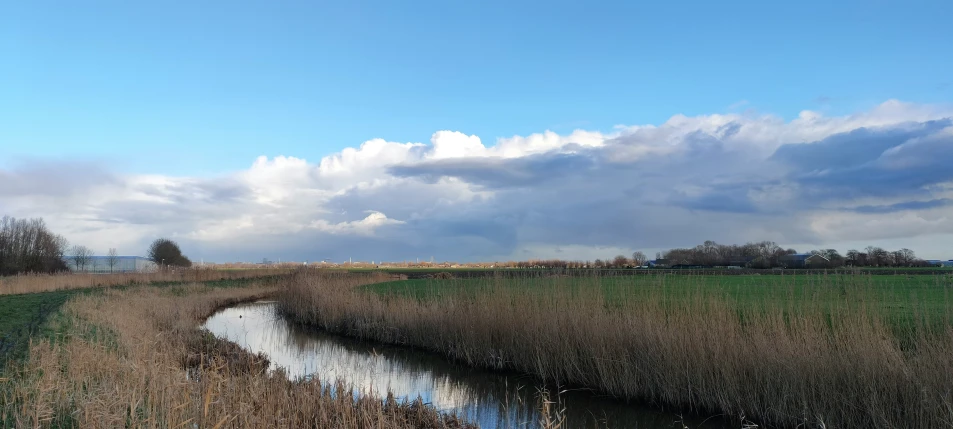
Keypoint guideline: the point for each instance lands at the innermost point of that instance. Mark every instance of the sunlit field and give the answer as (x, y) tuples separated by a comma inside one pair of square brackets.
[(833, 350), (133, 357)]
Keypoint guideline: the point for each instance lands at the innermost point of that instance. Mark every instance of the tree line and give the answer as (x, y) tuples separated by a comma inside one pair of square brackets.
[(768, 254), (28, 246), (759, 255)]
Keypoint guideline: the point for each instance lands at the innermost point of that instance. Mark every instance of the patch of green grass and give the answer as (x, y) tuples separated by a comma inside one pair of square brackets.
[(22, 316), (906, 301)]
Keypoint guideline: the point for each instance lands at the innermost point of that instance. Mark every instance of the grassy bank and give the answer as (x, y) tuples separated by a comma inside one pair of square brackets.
[(133, 358), (35, 283), (23, 316), (822, 353)]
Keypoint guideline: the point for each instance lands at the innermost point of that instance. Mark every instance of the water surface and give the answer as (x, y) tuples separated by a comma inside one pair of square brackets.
[(492, 399)]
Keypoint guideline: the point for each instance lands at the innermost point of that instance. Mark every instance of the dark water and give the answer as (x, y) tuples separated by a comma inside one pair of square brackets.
[(491, 399)]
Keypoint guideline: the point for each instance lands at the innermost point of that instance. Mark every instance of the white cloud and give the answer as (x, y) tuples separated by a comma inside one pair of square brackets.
[(730, 177), (365, 226)]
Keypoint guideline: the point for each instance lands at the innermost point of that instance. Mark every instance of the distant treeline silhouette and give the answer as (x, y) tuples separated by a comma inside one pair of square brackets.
[(756, 255), (768, 254)]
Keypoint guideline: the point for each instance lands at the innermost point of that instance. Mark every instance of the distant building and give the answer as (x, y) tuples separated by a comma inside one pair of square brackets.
[(804, 260), (123, 264)]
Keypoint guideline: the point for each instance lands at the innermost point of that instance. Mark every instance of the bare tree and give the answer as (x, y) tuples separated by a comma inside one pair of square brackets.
[(112, 258), (877, 256), (81, 256), (907, 256), (27, 246), (620, 261), (639, 259)]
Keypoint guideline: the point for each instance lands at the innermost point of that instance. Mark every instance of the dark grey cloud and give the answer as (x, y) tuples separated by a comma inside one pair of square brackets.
[(882, 162), (497, 173), (909, 205), (854, 149), (707, 189), (720, 200)]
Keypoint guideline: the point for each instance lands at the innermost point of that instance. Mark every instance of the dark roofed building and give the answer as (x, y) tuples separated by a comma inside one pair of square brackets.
[(804, 260)]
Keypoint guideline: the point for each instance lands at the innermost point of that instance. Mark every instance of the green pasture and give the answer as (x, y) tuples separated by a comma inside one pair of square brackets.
[(902, 299)]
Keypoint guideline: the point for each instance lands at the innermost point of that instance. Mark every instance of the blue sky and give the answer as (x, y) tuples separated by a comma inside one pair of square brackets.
[(539, 129), (203, 88)]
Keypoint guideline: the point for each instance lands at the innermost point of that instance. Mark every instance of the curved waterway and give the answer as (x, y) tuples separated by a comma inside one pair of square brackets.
[(491, 399)]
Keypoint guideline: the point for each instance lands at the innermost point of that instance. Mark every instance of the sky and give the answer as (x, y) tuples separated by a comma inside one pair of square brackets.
[(481, 130)]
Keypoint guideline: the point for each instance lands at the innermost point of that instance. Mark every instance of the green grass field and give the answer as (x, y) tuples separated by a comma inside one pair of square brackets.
[(902, 299), (22, 316)]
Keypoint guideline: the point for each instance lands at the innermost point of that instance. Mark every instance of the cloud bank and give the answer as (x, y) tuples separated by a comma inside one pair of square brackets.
[(881, 176)]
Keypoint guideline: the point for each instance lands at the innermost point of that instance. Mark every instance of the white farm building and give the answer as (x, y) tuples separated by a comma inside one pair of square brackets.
[(121, 264)]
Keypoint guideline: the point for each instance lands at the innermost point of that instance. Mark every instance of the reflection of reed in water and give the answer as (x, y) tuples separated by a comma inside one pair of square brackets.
[(492, 399), (408, 374)]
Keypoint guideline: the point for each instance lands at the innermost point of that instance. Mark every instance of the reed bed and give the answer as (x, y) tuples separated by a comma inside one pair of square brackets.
[(33, 283), (831, 357), (135, 359)]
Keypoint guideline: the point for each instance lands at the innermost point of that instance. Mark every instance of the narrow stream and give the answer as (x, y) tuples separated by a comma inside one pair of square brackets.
[(493, 400)]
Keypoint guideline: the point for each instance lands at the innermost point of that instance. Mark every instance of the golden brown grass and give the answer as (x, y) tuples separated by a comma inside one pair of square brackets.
[(786, 365), (33, 283), (136, 359)]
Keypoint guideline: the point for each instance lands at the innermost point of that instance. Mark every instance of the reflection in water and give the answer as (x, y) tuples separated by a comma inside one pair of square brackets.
[(491, 399)]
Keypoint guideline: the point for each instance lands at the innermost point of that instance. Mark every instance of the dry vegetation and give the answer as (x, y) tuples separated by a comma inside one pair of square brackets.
[(791, 364), (135, 359), (33, 283)]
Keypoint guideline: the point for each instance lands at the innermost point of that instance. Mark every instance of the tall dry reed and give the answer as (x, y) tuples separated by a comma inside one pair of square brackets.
[(33, 283), (788, 364), (135, 359)]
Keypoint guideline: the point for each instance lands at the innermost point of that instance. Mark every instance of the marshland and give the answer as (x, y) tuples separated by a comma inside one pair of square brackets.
[(518, 348)]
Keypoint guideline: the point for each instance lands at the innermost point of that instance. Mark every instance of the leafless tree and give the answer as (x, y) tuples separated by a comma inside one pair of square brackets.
[(112, 258), (81, 256), (877, 256), (907, 257), (27, 246), (620, 261), (639, 259)]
